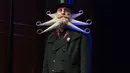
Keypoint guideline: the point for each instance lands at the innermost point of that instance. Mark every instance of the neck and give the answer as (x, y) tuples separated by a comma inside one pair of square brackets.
[(61, 30)]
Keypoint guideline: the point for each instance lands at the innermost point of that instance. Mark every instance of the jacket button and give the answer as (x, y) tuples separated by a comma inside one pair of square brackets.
[(54, 60), (53, 70), (63, 50)]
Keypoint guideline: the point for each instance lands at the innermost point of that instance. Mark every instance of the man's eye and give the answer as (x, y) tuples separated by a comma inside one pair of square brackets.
[(60, 9)]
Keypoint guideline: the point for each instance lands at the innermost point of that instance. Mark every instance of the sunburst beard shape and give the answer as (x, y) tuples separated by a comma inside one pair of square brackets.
[(57, 21)]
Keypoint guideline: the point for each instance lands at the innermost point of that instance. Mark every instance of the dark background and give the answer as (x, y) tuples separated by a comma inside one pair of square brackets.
[(110, 33)]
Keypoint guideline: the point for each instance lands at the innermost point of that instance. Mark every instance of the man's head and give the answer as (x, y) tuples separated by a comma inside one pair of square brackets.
[(63, 12)]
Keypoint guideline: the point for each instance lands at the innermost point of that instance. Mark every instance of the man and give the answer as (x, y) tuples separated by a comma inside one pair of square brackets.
[(67, 51)]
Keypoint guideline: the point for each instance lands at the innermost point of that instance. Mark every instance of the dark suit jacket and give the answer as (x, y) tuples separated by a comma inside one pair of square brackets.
[(70, 55)]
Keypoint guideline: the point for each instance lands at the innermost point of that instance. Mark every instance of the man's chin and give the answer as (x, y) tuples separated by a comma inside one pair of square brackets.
[(63, 17)]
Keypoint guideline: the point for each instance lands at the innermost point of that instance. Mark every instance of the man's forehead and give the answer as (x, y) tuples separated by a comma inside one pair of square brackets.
[(68, 9), (64, 8)]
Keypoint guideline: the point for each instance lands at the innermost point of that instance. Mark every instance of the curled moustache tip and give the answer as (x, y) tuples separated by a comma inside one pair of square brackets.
[(48, 12), (87, 30), (81, 11), (89, 21), (38, 23), (39, 31)]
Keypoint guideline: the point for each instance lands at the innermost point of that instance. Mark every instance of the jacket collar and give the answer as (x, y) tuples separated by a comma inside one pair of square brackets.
[(69, 38)]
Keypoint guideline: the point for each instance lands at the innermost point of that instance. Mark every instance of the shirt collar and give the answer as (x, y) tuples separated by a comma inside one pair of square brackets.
[(66, 33)]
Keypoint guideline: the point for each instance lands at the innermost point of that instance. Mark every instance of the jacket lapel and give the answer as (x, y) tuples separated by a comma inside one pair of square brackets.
[(69, 38), (52, 38)]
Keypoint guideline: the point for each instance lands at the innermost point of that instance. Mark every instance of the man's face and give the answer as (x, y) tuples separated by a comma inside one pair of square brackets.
[(63, 12)]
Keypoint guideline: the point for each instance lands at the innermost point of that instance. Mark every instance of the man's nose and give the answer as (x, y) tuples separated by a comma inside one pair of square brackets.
[(63, 12)]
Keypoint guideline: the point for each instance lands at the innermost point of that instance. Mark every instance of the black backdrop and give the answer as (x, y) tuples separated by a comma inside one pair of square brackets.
[(109, 34)]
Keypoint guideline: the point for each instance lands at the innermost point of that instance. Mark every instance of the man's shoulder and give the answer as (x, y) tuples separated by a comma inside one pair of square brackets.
[(71, 32), (52, 34), (76, 33)]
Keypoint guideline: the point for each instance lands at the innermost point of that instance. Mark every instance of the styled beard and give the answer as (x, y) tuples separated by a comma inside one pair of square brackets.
[(61, 27), (59, 22)]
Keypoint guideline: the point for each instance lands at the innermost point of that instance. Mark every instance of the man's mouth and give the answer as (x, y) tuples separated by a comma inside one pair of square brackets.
[(63, 16)]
